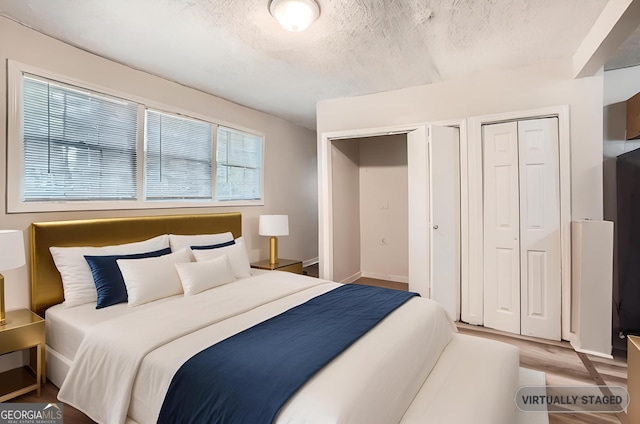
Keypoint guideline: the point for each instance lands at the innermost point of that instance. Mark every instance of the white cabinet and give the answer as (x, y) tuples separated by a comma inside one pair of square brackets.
[(592, 271)]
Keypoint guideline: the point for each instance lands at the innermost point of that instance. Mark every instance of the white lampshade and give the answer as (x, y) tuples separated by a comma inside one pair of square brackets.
[(294, 15), (274, 225), (11, 249)]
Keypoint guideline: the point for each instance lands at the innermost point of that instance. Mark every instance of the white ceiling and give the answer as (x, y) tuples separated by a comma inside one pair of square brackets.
[(234, 48)]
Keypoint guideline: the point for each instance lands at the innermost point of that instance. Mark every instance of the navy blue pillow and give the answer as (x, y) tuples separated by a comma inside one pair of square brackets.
[(108, 278), (214, 246)]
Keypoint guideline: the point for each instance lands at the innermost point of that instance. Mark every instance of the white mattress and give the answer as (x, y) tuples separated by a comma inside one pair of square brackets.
[(66, 327)]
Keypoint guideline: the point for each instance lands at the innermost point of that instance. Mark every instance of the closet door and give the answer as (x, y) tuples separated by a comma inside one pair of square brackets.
[(419, 185), (501, 227), (445, 217), (540, 228)]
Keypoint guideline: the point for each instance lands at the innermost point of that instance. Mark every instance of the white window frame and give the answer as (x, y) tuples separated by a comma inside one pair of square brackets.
[(15, 153)]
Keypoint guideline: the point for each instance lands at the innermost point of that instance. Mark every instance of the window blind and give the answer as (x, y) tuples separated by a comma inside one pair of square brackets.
[(179, 157), (78, 145), (238, 165)]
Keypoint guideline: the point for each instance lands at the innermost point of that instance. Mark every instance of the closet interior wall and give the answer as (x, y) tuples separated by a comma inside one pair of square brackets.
[(370, 208)]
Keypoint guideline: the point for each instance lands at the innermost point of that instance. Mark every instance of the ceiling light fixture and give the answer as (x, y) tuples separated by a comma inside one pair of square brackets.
[(294, 15)]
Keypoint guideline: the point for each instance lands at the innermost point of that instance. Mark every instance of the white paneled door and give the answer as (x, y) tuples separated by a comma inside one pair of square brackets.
[(522, 275), (540, 253), (501, 227)]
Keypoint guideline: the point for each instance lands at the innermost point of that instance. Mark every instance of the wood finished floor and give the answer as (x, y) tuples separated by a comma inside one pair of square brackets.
[(561, 364)]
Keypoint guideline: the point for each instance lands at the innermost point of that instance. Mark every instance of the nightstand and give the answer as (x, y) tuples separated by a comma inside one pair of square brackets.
[(287, 265), (23, 330)]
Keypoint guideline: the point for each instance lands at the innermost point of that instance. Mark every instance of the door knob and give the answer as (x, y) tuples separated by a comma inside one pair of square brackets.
[(435, 227)]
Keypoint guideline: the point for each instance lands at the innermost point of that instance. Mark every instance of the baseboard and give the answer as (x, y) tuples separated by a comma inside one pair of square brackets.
[(352, 278), (311, 261), (386, 277), (592, 352), (482, 329)]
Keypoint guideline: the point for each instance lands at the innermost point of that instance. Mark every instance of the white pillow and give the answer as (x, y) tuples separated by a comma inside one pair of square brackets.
[(201, 276), (77, 280), (150, 279), (178, 241), (237, 254)]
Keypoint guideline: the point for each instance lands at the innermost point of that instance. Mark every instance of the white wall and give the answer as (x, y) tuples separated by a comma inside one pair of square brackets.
[(384, 208), (497, 92), (290, 151)]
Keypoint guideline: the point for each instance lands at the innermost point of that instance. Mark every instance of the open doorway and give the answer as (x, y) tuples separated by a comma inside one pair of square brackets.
[(432, 221), (370, 208)]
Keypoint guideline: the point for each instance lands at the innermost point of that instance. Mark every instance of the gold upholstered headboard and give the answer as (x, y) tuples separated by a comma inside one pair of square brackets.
[(46, 284)]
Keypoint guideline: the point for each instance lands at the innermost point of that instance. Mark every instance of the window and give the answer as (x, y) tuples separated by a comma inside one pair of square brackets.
[(78, 145), (179, 158), (75, 146), (238, 162)]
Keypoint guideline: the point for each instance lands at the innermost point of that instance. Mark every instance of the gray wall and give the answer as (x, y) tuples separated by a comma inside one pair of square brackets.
[(370, 202), (345, 157), (384, 207)]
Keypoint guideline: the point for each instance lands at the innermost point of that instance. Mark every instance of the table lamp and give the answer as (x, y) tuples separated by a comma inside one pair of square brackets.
[(273, 226), (11, 256)]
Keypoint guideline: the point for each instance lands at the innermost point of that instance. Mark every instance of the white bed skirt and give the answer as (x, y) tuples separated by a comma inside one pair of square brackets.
[(57, 366)]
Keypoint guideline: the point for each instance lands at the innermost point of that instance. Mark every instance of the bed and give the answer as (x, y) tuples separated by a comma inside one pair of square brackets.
[(395, 373)]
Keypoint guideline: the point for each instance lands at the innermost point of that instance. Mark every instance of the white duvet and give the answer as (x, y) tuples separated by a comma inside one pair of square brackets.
[(124, 366)]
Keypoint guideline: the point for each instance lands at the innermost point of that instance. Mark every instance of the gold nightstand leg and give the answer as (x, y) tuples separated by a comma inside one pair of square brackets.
[(36, 356), (39, 369), (43, 360)]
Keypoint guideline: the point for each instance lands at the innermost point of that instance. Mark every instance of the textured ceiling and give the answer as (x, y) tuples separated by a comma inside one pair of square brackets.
[(628, 54), (236, 50)]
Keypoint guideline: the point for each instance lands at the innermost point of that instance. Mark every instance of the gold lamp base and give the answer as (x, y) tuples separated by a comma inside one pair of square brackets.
[(273, 250)]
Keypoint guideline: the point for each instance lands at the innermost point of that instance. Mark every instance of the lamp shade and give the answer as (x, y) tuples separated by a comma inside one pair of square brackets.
[(294, 15), (274, 225), (11, 249)]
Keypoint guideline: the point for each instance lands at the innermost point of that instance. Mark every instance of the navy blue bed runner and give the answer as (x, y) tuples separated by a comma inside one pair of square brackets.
[(248, 377)]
